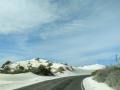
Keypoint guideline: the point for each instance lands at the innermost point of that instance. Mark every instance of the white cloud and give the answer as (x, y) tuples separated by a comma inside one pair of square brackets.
[(73, 26), (20, 15)]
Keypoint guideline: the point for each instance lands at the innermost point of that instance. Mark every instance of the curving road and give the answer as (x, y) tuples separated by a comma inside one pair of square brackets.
[(66, 83)]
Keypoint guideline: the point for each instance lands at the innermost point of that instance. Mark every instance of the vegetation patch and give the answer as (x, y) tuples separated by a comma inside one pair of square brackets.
[(109, 75)]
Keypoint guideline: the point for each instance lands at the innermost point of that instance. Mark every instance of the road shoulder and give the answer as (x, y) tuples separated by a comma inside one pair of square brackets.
[(91, 84)]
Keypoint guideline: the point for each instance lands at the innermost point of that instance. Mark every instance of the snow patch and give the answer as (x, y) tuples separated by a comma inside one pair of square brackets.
[(91, 84)]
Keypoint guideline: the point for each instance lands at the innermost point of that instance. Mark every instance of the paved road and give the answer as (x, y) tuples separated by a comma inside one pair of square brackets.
[(66, 83)]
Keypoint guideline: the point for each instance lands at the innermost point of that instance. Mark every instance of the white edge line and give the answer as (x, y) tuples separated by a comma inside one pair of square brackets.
[(82, 85)]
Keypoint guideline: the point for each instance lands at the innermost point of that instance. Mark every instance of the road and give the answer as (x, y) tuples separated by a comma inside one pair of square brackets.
[(66, 83)]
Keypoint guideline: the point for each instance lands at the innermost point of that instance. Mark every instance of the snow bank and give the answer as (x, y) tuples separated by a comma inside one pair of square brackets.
[(13, 81), (17, 77), (90, 84)]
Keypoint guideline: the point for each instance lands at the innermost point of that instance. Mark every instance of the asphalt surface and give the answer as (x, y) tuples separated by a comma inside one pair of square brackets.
[(66, 83)]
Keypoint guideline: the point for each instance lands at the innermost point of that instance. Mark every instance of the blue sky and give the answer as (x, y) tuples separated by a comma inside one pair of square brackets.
[(77, 32)]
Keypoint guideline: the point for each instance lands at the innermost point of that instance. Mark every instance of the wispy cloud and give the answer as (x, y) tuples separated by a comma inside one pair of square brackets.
[(75, 31), (24, 15)]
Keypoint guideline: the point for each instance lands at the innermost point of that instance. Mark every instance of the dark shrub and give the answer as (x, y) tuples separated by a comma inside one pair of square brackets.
[(67, 68), (60, 69), (72, 68), (34, 70), (21, 67), (37, 59), (42, 70), (66, 64), (94, 73), (6, 63), (17, 71), (49, 64), (6, 70)]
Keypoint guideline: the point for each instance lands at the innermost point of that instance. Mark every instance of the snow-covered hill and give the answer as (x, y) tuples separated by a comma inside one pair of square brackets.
[(45, 67), (35, 65), (93, 67)]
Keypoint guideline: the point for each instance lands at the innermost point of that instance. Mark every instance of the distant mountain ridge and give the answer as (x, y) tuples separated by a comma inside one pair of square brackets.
[(93, 67)]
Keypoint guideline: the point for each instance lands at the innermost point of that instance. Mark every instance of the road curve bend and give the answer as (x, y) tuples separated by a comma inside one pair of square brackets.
[(65, 83)]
